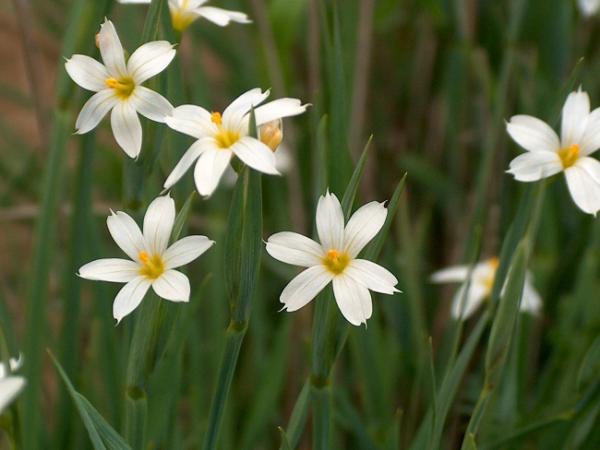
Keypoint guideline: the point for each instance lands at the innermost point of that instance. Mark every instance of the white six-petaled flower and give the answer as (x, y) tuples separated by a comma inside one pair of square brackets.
[(220, 137), (152, 260), (184, 12), (548, 155), (10, 385), (118, 87), (335, 260), (588, 7), (480, 287)]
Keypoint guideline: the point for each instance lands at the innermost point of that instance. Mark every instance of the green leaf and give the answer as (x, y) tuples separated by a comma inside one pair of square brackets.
[(352, 188), (102, 435), (182, 217), (590, 367), (298, 417), (285, 443)]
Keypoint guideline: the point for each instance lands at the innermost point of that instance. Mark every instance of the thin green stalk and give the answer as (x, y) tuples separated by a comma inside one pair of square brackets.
[(243, 248)]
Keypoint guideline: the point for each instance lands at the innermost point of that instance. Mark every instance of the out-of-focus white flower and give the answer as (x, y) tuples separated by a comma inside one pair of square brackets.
[(10, 385), (588, 7), (118, 87), (335, 260), (480, 287), (220, 137), (184, 12), (548, 155), (152, 260)]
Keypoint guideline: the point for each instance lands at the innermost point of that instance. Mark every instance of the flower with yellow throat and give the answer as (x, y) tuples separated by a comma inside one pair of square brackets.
[(335, 260), (547, 154), (185, 12), (153, 261), (118, 87)]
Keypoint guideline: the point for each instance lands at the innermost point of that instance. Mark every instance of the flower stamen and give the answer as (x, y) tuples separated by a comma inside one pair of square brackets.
[(153, 266), (569, 155), (123, 87), (216, 118), (336, 261)]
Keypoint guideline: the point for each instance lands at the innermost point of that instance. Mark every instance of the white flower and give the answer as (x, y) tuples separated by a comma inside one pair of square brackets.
[(547, 154), (184, 12), (152, 261), (589, 7), (482, 282), (335, 260), (119, 87), (10, 385), (220, 137)]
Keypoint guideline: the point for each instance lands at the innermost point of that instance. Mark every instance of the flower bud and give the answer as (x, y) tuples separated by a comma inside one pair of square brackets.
[(271, 134)]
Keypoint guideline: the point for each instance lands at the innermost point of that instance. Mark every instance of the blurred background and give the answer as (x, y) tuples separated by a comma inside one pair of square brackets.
[(433, 82)]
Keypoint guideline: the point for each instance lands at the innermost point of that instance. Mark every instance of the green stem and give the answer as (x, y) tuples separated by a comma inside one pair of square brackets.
[(139, 366), (235, 336)]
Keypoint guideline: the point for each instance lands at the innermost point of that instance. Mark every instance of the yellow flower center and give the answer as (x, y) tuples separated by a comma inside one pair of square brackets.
[(569, 155), (336, 261), (153, 266), (271, 134), (489, 281), (181, 18), (123, 87), (225, 138)]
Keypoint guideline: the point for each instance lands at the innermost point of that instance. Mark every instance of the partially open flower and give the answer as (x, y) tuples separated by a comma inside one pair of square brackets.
[(10, 385), (271, 134)]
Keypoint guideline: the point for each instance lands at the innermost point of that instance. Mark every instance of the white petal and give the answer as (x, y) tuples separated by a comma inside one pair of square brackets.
[(186, 250), (220, 16), (9, 389), (589, 7), (372, 276), (234, 113), (191, 120), (110, 269), (574, 117), (87, 72), (293, 248), (353, 299), (129, 297), (126, 234), (277, 109), (172, 285), (158, 224), (94, 110), (149, 60), (209, 170), (15, 364), (583, 180), (186, 161), (363, 226), (330, 222), (590, 142), (127, 128), (125, 2), (304, 287), (111, 50), (450, 274), (531, 301), (150, 104), (476, 294), (532, 134), (533, 166), (256, 155)]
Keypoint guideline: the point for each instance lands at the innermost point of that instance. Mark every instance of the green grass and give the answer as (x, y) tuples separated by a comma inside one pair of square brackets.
[(228, 371)]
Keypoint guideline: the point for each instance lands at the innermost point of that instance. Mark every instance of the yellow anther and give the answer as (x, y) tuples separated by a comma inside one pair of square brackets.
[(569, 155), (488, 281), (152, 266), (123, 86), (494, 262), (336, 261), (271, 134), (216, 118)]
